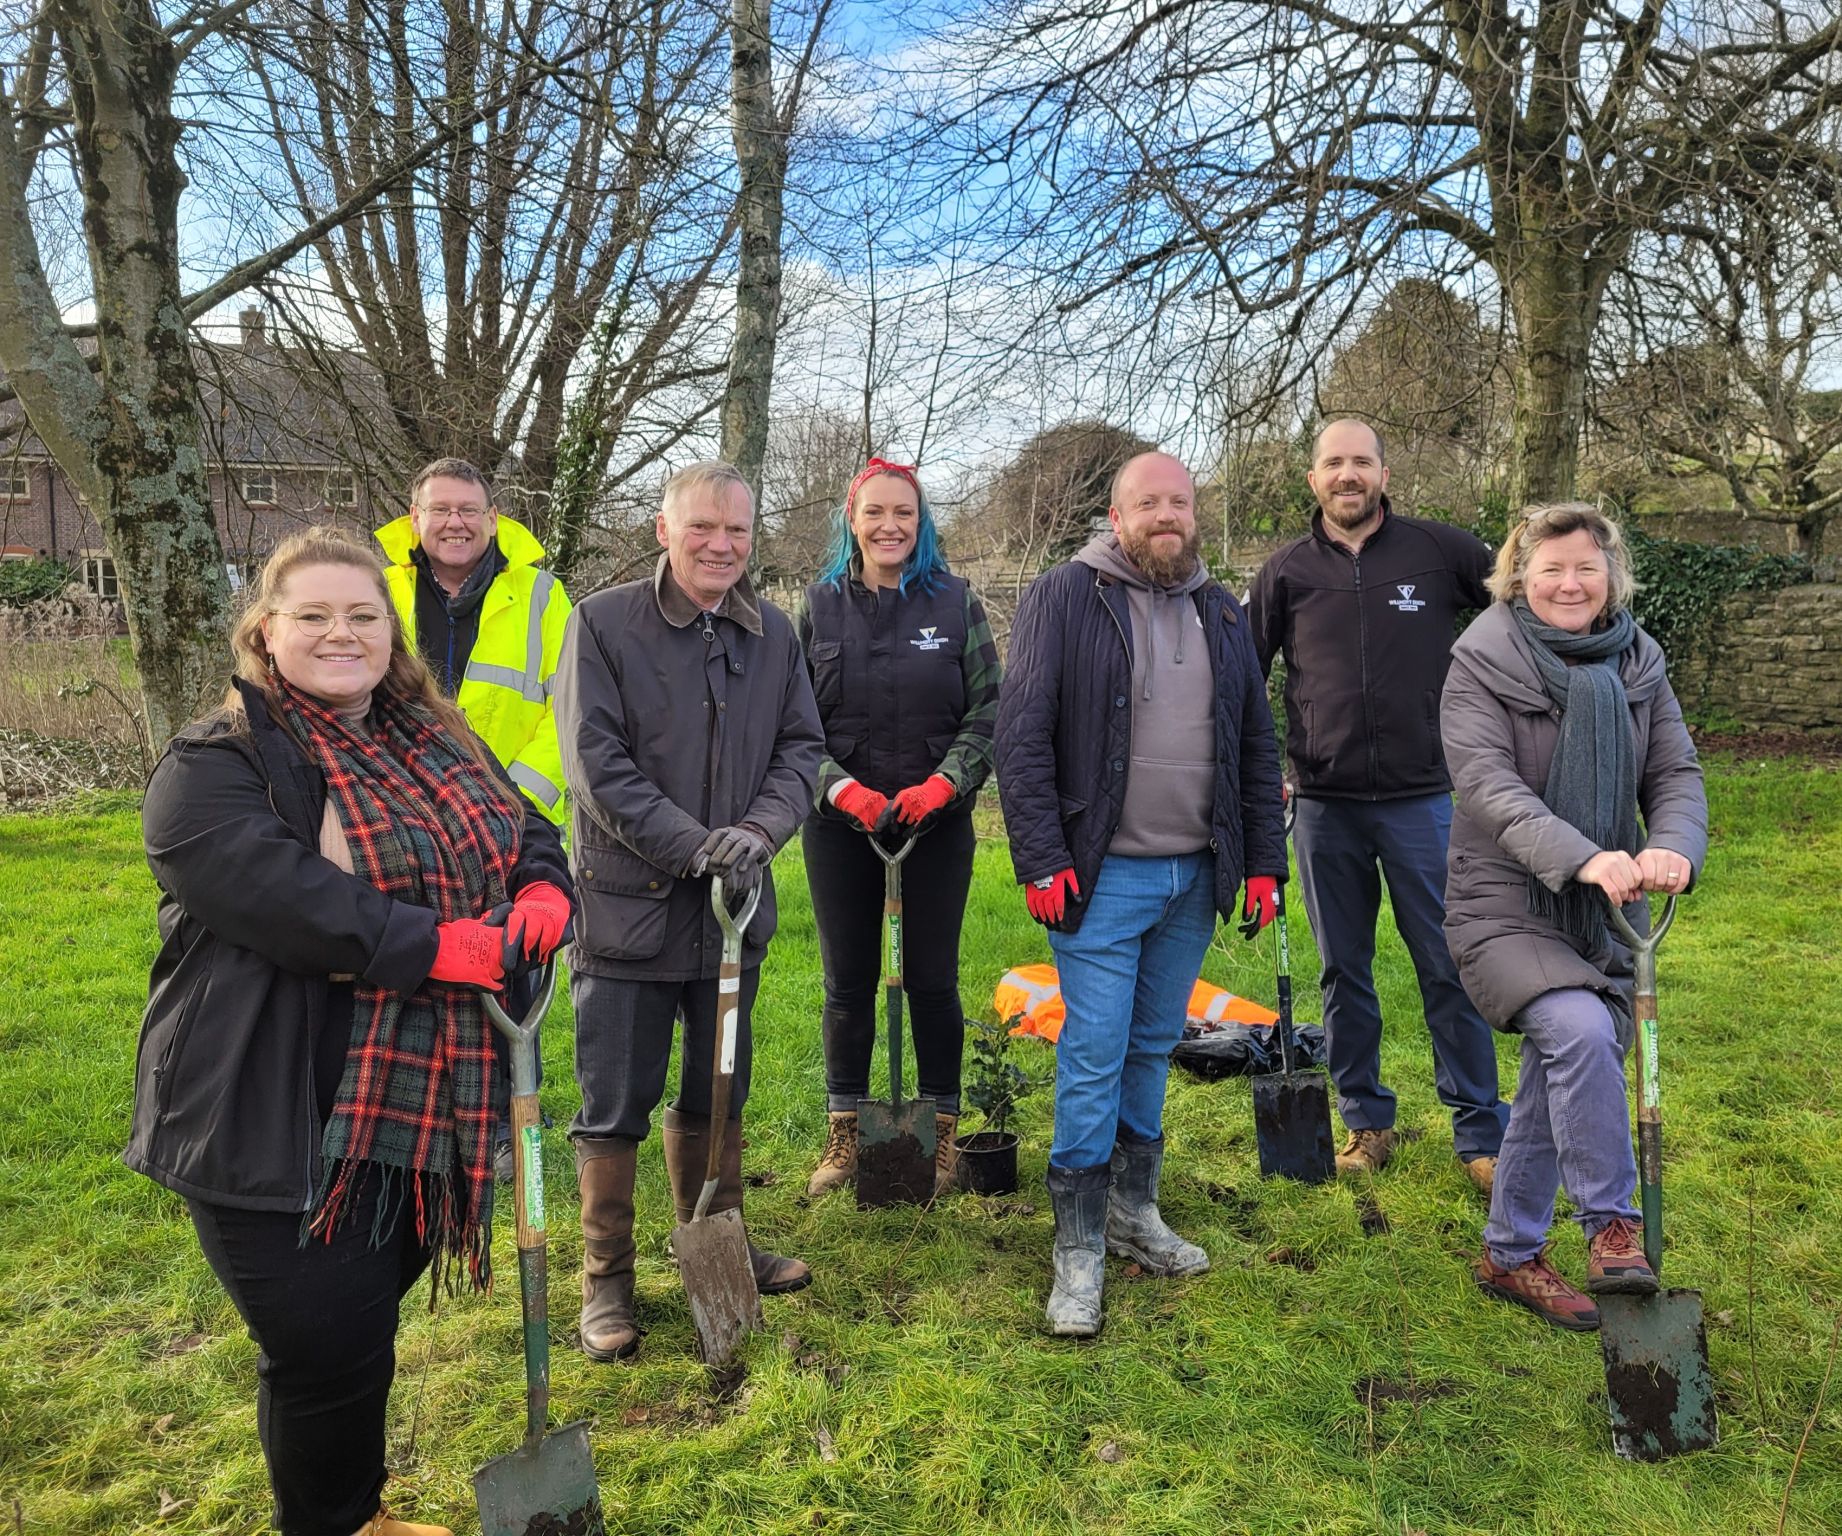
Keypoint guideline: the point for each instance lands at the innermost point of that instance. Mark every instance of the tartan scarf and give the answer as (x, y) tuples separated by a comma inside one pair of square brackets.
[(427, 825)]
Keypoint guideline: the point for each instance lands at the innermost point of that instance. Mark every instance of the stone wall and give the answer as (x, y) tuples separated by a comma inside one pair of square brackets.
[(1777, 664)]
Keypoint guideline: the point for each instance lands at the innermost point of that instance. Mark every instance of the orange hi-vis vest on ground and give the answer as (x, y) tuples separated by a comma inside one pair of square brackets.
[(1032, 994)]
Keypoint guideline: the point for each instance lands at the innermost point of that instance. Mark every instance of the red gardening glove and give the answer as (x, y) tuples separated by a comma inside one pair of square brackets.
[(1259, 905), (1047, 899), (546, 912), (471, 953), (919, 801), (861, 803)]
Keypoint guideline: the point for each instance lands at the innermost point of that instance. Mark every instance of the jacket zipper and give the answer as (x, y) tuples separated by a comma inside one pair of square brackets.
[(1362, 651), (1125, 642)]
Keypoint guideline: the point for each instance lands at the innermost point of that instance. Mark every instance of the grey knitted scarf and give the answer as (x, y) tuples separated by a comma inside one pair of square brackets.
[(1592, 781)]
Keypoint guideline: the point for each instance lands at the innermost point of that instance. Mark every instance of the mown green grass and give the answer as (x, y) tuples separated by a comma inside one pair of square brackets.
[(909, 1390)]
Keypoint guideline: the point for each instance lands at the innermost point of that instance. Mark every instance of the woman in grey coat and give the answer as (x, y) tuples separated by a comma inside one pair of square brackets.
[(1561, 732)]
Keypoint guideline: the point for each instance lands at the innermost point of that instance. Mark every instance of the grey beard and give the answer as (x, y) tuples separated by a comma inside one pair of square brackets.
[(1165, 570)]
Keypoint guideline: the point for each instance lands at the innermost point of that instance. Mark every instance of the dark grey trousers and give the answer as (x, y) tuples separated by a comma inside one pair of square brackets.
[(624, 1045), (1346, 848)]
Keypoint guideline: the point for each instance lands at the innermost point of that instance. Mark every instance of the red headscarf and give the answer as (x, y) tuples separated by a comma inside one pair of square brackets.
[(870, 471)]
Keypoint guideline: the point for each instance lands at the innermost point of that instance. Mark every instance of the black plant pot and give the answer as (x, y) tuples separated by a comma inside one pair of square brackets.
[(988, 1162)]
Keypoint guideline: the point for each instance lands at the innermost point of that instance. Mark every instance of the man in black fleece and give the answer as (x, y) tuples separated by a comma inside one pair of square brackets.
[(1365, 609)]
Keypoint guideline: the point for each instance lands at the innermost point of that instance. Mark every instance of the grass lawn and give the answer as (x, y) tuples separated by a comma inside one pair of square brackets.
[(1316, 1379)]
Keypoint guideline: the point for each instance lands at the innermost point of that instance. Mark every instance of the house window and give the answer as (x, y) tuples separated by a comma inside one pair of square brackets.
[(341, 488), (259, 487), (15, 483), (99, 576)]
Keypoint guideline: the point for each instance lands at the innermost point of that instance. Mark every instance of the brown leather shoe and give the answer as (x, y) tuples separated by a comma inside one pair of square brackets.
[(1366, 1152), (946, 1155), (383, 1524), (1615, 1262), (1540, 1287), (687, 1152), (1482, 1171), (838, 1162), (604, 1173)]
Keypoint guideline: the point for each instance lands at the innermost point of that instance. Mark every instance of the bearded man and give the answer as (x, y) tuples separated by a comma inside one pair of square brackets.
[(1141, 789), (1365, 608)]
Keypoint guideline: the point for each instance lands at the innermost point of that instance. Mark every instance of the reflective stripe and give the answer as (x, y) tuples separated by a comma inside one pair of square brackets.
[(530, 683), (528, 778)]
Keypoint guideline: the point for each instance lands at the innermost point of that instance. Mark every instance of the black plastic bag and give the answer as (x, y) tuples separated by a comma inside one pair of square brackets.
[(1245, 1050)]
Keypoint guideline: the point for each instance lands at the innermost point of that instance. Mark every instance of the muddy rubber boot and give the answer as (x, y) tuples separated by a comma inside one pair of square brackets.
[(604, 1173), (838, 1162), (1079, 1198), (687, 1152), (1134, 1228), (946, 1155)]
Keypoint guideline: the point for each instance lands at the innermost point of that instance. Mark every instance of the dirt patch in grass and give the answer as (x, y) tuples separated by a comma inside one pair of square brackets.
[(1379, 1391), (1823, 749)]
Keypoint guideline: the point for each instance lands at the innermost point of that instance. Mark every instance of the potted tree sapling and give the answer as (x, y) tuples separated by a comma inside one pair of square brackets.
[(994, 1084)]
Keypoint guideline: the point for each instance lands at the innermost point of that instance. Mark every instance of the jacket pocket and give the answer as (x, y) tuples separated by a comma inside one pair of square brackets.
[(825, 661), (624, 903), (1429, 711), (1071, 807)]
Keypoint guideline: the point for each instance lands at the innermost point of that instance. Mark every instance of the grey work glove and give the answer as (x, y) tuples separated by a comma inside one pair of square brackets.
[(737, 854)]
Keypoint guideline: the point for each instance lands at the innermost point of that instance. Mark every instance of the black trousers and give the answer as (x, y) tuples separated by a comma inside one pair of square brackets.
[(324, 1318), (846, 878), (624, 1044)]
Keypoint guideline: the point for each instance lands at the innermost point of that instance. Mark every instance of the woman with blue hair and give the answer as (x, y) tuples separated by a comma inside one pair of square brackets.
[(906, 676)]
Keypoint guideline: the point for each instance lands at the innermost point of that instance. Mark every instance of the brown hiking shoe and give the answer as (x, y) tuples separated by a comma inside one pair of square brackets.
[(838, 1162), (946, 1155), (1540, 1287), (1366, 1152), (1482, 1171), (1615, 1262)]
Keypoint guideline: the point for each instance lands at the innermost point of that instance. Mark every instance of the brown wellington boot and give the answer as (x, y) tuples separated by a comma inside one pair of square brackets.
[(946, 1155), (838, 1163), (604, 1172), (687, 1153)]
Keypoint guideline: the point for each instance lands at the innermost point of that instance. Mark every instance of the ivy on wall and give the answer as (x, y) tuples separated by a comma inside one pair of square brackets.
[(27, 581), (1682, 585)]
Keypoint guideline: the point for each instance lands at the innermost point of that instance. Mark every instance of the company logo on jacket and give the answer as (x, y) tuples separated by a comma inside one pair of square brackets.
[(929, 640), (1406, 602)]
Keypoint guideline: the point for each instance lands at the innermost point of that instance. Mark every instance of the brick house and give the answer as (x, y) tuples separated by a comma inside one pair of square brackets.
[(279, 441)]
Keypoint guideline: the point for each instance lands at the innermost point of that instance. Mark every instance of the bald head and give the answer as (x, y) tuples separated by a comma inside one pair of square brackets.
[(1164, 461), (1344, 428), (1154, 515)]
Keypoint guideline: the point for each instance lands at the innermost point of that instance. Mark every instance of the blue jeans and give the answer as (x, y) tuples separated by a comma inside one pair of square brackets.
[(1570, 1124), (1126, 978), (1340, 845)]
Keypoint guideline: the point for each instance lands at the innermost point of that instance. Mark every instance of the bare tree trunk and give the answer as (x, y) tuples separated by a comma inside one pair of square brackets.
[(761, 159), (1555, 311), (129, 438)]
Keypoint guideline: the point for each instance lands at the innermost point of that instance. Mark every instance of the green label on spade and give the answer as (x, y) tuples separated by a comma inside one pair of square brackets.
[(534, 1177)]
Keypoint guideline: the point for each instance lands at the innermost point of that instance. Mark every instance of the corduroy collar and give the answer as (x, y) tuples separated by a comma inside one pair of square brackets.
[(675, 604)]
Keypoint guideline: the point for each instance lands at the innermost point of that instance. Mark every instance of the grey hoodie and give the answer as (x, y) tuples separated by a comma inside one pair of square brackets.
[(1170, 784)]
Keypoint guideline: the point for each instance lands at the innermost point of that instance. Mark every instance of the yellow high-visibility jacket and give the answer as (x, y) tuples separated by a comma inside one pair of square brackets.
[(505, 691)]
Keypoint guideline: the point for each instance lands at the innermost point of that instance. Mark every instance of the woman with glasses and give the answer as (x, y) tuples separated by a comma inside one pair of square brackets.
[(906, 677), (342, 867)]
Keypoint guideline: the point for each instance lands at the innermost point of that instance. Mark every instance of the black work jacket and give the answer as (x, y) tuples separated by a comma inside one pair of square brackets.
[(670, 730), (1065, 735), (888, 676), (1367, 638), (254, 923)]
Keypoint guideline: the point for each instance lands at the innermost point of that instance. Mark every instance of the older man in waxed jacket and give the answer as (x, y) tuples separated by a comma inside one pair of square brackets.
[(691, 747)]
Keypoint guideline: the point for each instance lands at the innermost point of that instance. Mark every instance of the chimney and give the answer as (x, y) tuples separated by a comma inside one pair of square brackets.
[(254, 336)]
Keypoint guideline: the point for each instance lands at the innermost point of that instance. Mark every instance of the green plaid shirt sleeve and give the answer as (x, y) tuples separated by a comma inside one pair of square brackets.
[(829, 771), (968, 761)]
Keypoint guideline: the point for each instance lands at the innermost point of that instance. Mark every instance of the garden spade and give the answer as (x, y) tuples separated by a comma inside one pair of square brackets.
[(547, 1486), (1291, 1110), (895, 1145), (712, 1250), (1657, 1380)]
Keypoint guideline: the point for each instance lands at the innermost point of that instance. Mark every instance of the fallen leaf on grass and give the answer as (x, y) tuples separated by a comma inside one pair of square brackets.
[(162, 1424), (1110, 1452), (1722, 1319), (170, 1506), (823, 1436), (184, 1345)]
